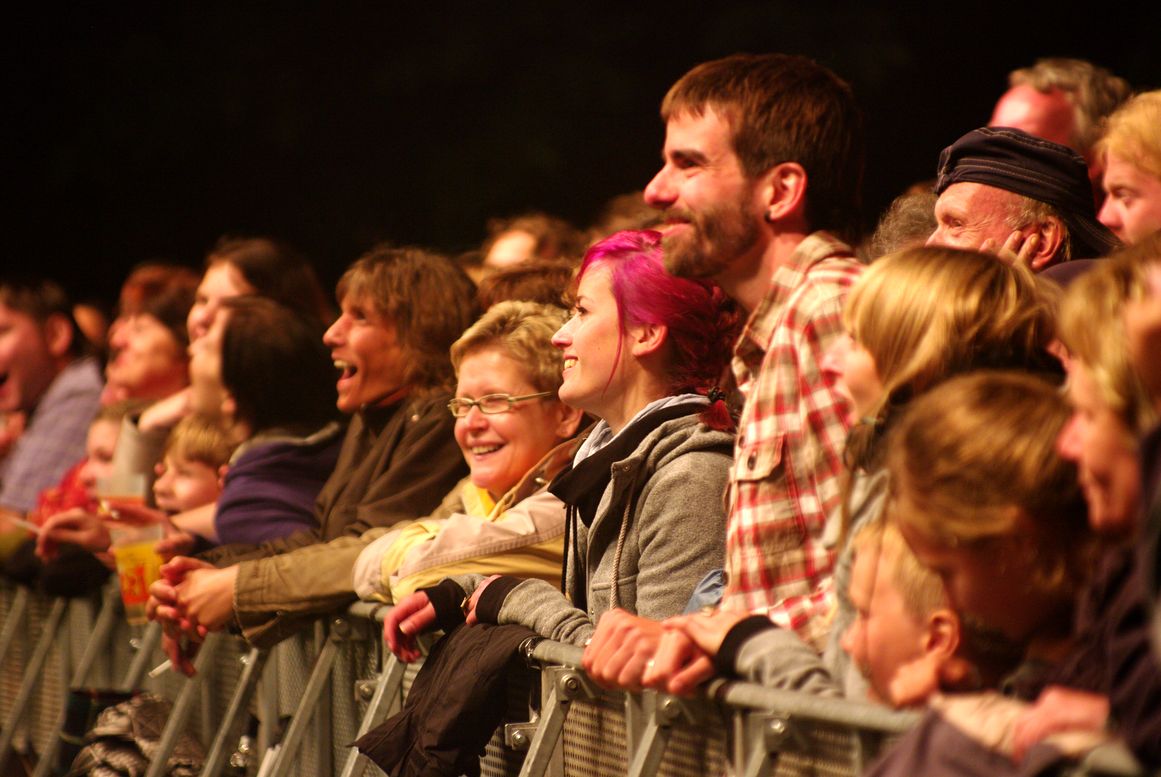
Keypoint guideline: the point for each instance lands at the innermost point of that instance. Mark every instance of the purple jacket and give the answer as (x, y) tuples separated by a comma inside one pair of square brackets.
[(270, 489)]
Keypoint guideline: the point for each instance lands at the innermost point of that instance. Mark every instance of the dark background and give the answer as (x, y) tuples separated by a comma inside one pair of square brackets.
[(137, 131)]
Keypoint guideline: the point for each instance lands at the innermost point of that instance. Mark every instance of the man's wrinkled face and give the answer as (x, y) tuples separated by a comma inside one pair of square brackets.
[(713, 211), (968, 213)]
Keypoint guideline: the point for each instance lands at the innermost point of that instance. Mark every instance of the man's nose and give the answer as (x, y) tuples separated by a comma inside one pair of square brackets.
[(660, 193)]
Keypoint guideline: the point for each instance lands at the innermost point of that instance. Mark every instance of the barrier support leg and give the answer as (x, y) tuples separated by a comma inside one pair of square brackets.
[(32, 674), (563, 686), (388, 689), (98, 641), (255, 660), (13, 620), (660, 713), (283, 756), (179, 717)]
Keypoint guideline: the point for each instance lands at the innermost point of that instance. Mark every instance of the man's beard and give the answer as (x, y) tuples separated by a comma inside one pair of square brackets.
[(714, 239)]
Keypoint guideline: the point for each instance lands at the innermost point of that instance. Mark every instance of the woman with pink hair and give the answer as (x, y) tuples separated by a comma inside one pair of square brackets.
[(643, 352)]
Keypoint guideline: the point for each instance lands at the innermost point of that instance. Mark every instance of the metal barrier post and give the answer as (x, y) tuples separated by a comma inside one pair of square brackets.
[(13, 620), (255, 660), (319, 679), (99, 640), (31, 676), (562, 685), (755, 760), (386, 697), (267, 706), (661, 712), (182, 708), (145, 648)]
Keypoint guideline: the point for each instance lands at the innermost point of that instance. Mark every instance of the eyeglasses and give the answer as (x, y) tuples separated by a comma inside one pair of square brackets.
[(491, 404)]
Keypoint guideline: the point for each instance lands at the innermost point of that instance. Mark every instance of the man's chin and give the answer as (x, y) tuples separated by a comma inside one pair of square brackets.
[(684, 262)]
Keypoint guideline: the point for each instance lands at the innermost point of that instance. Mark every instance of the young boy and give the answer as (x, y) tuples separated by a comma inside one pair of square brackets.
[(190, 475), (906, 639)]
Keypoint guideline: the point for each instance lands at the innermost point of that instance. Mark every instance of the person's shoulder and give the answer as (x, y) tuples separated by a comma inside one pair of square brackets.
[(80, 379), (680, 436), (427, 407)]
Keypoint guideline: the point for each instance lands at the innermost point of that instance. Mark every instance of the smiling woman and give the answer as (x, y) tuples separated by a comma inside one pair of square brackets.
[(148, 339), (645, 514), (503, 520)]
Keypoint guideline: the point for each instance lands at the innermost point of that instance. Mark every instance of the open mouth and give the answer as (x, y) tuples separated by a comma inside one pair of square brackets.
[(346, 369), (3, 378), (569, 362)]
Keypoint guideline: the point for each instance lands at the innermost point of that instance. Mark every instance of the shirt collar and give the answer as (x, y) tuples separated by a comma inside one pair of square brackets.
[(788, 276)]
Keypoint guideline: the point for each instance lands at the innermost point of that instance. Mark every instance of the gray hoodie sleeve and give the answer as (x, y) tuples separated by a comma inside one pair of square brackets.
[(778, 658)]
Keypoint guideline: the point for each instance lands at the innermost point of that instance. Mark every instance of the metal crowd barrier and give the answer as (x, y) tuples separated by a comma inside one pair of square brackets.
[(312, 695)]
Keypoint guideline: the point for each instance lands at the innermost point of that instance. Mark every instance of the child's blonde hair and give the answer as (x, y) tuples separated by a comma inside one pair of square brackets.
[(198, 439), (921, 589)]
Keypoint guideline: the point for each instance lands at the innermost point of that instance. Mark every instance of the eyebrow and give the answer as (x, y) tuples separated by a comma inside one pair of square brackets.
[(689, 155)]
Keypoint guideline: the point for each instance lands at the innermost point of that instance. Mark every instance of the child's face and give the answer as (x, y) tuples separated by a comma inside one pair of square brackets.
[(886, 641), (99, 447), (183, 484)]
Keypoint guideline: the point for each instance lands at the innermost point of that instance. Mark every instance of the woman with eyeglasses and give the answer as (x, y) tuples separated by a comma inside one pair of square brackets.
[(515, 435), (645, 517)]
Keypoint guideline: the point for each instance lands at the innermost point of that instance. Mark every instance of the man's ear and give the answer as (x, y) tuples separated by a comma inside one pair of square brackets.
[(58, 334), (1051, 232), (647, 339), (784, 195)]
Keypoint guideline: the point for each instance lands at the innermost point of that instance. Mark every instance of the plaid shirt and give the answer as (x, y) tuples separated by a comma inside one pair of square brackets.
[(784, 492)]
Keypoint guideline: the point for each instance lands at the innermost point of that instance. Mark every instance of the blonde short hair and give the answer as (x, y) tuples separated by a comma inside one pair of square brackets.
[(927, 314), (921, 589), (1132, 133), (199, 439), (524, 331), (1092, 326)]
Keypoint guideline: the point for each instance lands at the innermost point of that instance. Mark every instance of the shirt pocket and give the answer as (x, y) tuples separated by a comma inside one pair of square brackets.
[(758, 461)]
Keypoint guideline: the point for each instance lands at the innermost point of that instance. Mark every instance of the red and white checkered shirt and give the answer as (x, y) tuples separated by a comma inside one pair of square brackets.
[(785, 483)]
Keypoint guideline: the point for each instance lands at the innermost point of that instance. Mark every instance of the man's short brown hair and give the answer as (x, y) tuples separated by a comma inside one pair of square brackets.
[(785, 108)]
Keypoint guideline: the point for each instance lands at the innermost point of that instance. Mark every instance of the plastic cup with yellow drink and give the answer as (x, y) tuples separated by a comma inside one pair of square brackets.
[(132, 544)]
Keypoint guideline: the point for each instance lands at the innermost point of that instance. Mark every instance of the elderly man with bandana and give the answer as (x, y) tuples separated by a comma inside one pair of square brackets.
[(1023, 198)]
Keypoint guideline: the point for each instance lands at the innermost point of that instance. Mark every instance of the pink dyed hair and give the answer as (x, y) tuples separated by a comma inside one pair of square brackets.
[(702, 322)]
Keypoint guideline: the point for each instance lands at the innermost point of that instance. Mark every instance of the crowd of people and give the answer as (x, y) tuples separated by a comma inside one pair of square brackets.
[(720, 433)]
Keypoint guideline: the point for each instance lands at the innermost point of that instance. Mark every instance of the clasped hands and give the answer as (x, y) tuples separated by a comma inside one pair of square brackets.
[(191, 599), (675, 655)]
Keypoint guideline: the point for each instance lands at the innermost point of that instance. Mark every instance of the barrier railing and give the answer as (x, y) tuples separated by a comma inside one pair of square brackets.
[(314, 694)]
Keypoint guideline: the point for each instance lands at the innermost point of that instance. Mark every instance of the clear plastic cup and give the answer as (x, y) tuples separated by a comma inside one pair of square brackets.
[(120, 489)]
